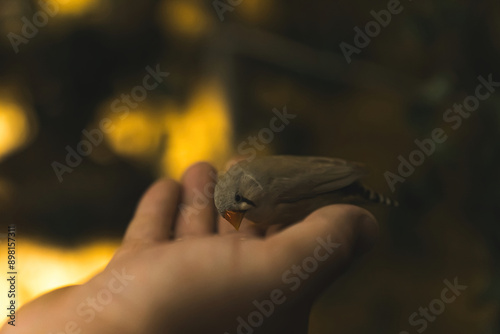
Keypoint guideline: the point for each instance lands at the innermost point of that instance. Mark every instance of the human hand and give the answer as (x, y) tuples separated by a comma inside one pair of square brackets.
[(194, 273)]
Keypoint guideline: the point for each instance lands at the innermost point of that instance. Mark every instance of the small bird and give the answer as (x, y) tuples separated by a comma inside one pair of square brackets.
[(285, 189)]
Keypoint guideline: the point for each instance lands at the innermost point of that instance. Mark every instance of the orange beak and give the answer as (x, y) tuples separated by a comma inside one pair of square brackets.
[(234, 218)]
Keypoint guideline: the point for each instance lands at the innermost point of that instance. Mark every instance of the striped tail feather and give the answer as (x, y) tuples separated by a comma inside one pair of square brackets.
[(377, 197)]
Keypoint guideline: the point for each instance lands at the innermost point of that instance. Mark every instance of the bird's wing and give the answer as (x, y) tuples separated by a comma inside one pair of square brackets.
[(294, 178)]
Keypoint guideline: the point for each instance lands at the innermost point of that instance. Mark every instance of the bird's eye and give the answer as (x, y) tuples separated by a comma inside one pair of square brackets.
[(238, 198)]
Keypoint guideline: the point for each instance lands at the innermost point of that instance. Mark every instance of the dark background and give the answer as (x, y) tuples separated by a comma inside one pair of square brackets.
[(225, 79)]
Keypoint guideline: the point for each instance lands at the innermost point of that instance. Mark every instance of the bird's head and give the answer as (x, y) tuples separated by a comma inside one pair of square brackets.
[(231, 196)]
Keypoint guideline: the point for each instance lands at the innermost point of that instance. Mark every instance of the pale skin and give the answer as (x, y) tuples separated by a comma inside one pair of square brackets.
[(196, 274)]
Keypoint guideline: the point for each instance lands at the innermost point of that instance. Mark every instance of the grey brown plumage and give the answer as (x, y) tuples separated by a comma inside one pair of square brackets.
[(285, 189)]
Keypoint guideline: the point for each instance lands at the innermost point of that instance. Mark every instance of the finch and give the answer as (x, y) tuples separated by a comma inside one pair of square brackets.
[(285, 189)]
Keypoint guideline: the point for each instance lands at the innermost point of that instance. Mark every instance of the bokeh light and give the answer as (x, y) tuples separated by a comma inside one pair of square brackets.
[(43, 267), (137, 135), (14, 127), (76, 7), (185, 17), (200, 132), (227, 75)]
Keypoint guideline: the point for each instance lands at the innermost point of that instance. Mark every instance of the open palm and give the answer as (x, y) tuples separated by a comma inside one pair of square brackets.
[(182, 269)]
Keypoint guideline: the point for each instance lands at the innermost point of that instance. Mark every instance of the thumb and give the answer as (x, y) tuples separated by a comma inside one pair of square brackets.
[(317, 250)]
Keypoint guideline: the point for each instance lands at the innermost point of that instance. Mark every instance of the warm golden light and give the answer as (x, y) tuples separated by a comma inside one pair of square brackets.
[(185, 17), (75, 7), (136, 134), (256, 10), (201, 132), (14, 127), (43, 267)]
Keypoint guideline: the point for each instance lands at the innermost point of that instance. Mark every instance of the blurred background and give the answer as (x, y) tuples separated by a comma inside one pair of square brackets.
[(70, 69)]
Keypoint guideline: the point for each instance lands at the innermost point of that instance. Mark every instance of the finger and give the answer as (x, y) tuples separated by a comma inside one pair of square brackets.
[(233, 161), (223, 226), (323, 245), (274, 229), (247, 228), (155, 213), (197, 210)]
